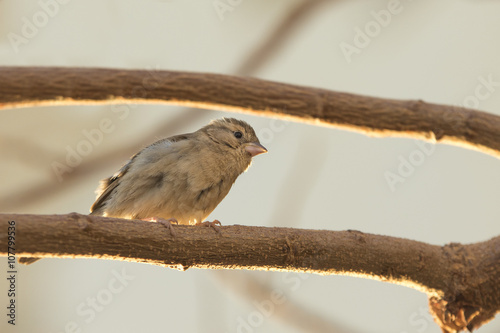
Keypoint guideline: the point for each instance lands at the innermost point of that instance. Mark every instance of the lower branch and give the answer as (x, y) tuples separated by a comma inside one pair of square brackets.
[(462, 281)]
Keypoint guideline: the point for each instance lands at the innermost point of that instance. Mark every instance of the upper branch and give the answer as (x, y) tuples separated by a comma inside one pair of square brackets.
[(33, 86)]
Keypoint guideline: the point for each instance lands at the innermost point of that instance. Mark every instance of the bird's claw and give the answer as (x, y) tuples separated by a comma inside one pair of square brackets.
[(209, 224), (167, 223)]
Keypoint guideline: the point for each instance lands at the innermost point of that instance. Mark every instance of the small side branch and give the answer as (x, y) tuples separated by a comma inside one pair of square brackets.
[(35, 86), (462, 281)]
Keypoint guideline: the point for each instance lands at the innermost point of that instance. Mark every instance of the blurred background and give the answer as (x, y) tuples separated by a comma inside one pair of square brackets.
[(316, 178)]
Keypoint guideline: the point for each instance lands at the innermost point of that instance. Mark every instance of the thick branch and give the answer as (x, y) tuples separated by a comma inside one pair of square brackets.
[(235, 247), (458, 278), (33, 86)]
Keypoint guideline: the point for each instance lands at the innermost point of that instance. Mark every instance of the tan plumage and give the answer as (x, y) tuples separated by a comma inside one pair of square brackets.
[(183, 177)]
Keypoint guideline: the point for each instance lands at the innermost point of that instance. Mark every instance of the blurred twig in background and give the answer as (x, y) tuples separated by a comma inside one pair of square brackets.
[(284, 310), (276, 39)]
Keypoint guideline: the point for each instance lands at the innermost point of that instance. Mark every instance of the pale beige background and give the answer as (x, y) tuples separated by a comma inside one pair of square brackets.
[(314, 178)]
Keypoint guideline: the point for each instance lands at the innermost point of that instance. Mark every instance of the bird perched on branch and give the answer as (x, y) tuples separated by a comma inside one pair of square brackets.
[(181, 178)]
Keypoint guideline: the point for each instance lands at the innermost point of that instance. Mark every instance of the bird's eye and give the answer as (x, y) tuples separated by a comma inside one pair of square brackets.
[(238, 134)]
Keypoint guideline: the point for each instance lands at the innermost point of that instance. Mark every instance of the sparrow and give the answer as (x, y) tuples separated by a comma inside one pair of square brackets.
[(179, 179)]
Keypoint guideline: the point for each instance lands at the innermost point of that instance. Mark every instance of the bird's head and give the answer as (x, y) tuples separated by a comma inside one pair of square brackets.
[(234, 135)]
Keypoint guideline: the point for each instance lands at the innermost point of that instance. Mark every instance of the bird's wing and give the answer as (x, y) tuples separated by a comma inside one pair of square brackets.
[(107, 185)]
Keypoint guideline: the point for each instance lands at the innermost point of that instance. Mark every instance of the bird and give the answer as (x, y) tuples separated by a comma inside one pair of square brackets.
[(179, 179)]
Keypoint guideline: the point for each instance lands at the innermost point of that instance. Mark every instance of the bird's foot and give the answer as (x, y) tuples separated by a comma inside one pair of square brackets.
[(166, 223), (210, 225)]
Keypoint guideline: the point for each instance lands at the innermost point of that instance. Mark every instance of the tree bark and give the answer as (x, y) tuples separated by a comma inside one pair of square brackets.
[(37, 86), (462, 281)]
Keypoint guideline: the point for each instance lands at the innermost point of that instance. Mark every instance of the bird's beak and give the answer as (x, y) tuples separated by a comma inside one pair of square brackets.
[(255, 149)]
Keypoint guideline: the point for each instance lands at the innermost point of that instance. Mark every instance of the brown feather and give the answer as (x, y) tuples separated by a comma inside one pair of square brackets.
[(183, 177)]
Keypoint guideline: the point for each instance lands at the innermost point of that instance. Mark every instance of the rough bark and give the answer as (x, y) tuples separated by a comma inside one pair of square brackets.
[(462, 281), (35, 86)]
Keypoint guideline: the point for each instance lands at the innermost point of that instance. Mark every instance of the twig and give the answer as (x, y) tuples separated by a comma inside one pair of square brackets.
[(35, 86)]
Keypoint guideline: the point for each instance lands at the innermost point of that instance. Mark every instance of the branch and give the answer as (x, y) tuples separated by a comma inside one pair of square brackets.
[(462, 281), (37, 86)]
